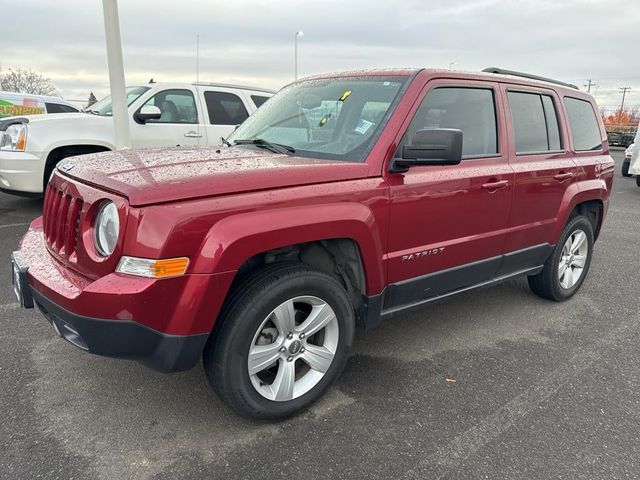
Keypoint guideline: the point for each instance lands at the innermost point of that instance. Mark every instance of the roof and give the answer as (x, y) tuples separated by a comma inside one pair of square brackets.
[(31, 95), (505, 77)]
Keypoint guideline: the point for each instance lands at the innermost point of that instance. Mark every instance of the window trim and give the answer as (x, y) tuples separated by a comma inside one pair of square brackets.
[(195, 103), (540, 93), (494, 89), (573, 147)]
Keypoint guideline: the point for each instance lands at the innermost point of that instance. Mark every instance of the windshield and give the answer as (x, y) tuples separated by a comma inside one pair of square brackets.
[(103, 107), (332, 118)]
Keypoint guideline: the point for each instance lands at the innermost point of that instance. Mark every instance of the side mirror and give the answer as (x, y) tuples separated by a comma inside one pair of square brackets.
[(146, 113), (433, 146)]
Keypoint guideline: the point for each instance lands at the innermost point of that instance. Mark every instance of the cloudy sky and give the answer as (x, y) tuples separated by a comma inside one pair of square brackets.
[(251, 42)]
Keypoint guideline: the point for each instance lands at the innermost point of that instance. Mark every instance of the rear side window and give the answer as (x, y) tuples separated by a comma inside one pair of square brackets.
[(58, 108), (258, 100), (225, 108), (471, 110), (535, 123), (585, 131)]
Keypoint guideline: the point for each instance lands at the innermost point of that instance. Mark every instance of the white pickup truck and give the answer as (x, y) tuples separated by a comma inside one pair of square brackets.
[(160, 115)]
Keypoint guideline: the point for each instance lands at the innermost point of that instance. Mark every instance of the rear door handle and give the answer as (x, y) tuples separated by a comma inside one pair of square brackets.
[(193, 135), (561, 177), (494, 185)]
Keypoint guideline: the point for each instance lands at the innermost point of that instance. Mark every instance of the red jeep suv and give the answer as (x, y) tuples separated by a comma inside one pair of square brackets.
[(345, 199)]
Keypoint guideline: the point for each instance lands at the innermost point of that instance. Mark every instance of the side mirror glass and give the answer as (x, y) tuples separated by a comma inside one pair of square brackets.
[(432, 146), (146, 113)]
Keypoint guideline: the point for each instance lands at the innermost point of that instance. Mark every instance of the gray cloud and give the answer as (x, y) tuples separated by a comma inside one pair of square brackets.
[(252, 41)]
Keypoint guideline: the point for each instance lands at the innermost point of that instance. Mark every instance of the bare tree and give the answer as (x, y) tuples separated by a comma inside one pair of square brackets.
[(26, 81)]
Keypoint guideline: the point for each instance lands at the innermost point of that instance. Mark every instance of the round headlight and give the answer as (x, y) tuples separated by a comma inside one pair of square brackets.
[(107, 228)]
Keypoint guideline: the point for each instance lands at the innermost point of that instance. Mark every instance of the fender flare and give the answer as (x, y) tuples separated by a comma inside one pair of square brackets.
[(576, 194), (237, 238)]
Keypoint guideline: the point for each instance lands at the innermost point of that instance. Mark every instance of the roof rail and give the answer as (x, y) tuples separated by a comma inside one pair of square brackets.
[(502, 71), (230, 85)]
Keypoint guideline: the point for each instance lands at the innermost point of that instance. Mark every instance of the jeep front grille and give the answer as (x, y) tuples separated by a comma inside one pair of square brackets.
[(61, 221)]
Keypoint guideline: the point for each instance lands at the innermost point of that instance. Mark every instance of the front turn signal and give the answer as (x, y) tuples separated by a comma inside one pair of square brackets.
[(145, 267)]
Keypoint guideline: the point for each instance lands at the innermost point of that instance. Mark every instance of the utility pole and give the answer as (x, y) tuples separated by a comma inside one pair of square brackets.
[(624, 91), (589, 84)]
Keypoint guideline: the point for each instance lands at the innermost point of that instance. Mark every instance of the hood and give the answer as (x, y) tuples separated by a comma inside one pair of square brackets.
[(165, 175), (45, 117)]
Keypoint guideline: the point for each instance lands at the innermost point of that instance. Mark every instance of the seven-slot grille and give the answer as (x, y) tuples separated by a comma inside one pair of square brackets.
[(61, 220)]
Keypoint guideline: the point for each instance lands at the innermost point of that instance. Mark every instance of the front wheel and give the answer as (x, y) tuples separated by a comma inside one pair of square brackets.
[(625, 168), (566, 268), (638, 180), (285, 337)]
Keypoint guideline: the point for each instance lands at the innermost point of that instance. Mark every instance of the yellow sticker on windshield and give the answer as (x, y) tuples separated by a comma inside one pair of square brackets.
[(345, 95)]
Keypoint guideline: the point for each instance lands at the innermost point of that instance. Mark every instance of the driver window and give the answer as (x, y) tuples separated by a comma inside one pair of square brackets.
[(176, 106), (471, 110)]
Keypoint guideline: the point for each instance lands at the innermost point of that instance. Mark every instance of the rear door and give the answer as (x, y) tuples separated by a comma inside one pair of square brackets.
[(224, 109), (543, 167), (447, 223)]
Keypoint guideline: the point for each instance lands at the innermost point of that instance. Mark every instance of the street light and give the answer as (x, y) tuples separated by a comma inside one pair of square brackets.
[(299, 33)]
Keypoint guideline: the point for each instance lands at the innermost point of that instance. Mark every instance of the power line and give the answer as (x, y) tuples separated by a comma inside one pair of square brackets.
[(624, 91)]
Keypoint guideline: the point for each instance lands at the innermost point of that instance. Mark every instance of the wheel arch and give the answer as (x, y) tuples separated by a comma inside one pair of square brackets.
[(344, 234), (589, 199), (63, 151)]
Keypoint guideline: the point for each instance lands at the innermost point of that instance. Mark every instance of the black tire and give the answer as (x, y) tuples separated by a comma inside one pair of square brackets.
[(625, 168), (546, 284), (251, 302), (638, 180)]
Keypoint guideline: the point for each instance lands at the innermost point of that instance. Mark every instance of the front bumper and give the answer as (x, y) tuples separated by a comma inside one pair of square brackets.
[(163, 324), (123, 339), (21, 172)]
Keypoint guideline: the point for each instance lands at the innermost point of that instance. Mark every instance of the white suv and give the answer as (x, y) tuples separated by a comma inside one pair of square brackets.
[(160, 115)]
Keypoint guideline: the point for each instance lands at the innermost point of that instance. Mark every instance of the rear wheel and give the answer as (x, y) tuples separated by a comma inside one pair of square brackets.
[(566, 268), (284, 338), (638, 180), (625, 168)]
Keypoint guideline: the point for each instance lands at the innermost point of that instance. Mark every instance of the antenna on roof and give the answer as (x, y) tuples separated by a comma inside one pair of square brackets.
[(197, 57)]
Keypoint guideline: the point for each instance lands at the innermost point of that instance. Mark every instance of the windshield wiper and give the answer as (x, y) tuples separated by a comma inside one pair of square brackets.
[(262, 143), (225, 142)]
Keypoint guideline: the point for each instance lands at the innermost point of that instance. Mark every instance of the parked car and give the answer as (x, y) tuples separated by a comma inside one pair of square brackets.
[(14, 104), (344, 200), (622, 138), (627, 160), (161, 115)]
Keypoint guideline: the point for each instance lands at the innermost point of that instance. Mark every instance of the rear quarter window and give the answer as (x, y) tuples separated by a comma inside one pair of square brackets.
[(585, 130)]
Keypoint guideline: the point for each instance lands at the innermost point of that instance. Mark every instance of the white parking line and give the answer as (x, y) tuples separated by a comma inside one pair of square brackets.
[(14, 225), (452, 456)]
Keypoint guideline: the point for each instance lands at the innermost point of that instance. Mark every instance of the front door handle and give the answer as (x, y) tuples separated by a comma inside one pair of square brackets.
[(562, 176), (193, 134), (494, 185)]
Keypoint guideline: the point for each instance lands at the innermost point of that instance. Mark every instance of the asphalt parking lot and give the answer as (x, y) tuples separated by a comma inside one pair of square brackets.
[(494, 383)]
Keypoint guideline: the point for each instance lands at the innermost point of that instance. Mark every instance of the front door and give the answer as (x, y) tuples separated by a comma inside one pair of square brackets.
[(179, 125), (447, 223)]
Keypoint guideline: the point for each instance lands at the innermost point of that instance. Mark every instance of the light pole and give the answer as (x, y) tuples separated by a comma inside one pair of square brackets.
[(116, 74), (299, 33)]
